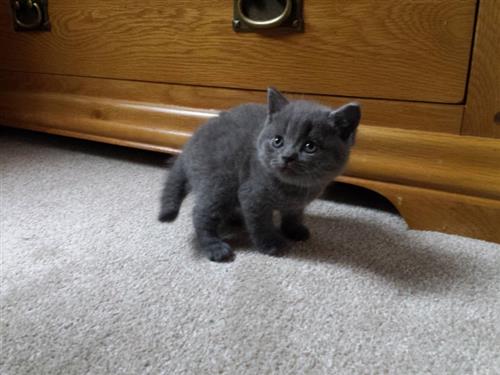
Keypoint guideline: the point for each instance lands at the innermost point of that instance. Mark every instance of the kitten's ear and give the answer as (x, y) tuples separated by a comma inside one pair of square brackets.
[(346, 119), (275, 100)]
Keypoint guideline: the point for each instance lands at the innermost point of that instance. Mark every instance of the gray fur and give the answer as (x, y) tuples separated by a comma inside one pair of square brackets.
[(231, 164)]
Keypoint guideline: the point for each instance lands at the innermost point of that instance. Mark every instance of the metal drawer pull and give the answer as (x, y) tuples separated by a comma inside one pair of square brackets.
[(38, 12), (30, 15), (267, 24)]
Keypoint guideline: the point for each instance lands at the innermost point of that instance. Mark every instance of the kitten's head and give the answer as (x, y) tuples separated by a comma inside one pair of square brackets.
[(304, 143)]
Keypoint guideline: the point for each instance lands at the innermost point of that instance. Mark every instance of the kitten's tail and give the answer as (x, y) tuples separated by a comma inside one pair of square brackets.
[(174, 192)]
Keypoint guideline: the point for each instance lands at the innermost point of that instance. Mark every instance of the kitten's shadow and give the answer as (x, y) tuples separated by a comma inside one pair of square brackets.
[(393, 255)]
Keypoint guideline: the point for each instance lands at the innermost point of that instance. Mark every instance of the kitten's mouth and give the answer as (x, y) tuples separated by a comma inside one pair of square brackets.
[(286, 169)]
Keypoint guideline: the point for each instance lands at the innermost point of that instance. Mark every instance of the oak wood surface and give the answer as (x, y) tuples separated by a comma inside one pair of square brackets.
[(109, 119), (411, 50), (426, 209), (483, 95), (458, 164), (407, 115)]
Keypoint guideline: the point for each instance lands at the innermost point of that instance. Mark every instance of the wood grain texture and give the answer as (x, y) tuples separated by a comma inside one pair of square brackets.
[(483, 95), (406, 115), (425, 209), (457, 164), (111, 120), (411, 50)]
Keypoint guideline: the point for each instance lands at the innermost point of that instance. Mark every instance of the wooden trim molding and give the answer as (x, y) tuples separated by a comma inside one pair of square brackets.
[(456, 164)]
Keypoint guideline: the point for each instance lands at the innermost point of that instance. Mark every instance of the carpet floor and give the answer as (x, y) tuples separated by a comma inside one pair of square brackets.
[(91, 283)]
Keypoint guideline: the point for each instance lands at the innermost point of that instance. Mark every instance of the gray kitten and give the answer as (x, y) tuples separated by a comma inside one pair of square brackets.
[(257, 159)]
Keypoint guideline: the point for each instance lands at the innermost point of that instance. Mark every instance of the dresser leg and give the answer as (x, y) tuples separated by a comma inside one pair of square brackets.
[(426, 209)]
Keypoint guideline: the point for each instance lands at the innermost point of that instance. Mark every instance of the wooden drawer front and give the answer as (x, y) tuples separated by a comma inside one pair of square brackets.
[(397, 49)]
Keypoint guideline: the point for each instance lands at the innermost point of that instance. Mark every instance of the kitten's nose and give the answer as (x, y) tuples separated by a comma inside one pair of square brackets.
[(288, 158)]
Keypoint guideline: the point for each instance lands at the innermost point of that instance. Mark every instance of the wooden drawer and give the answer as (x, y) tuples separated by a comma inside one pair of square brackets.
[(394, 49)]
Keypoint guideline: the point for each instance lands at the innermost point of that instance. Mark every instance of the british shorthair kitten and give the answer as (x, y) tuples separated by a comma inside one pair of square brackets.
[(254, 160)]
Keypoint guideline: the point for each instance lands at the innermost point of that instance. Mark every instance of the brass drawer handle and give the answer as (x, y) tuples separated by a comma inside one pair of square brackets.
[(38, 15), (30, 15), (267, 24)]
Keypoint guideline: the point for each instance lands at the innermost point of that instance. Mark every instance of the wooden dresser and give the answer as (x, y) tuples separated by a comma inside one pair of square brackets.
[(146, 73)]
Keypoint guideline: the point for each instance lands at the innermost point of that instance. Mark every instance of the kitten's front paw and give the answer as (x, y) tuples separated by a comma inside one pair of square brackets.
[(272, 246), (296, 232), (219, 252)]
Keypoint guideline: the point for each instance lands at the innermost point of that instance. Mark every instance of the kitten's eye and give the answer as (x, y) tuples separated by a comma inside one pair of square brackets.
[(278, 141), (310, 147)]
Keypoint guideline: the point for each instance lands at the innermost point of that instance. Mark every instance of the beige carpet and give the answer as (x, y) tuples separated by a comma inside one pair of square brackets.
[(91, 283)]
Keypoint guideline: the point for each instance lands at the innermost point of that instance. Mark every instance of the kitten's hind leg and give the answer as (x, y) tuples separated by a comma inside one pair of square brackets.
[(292, 227), (206, 219), (174, 192)]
